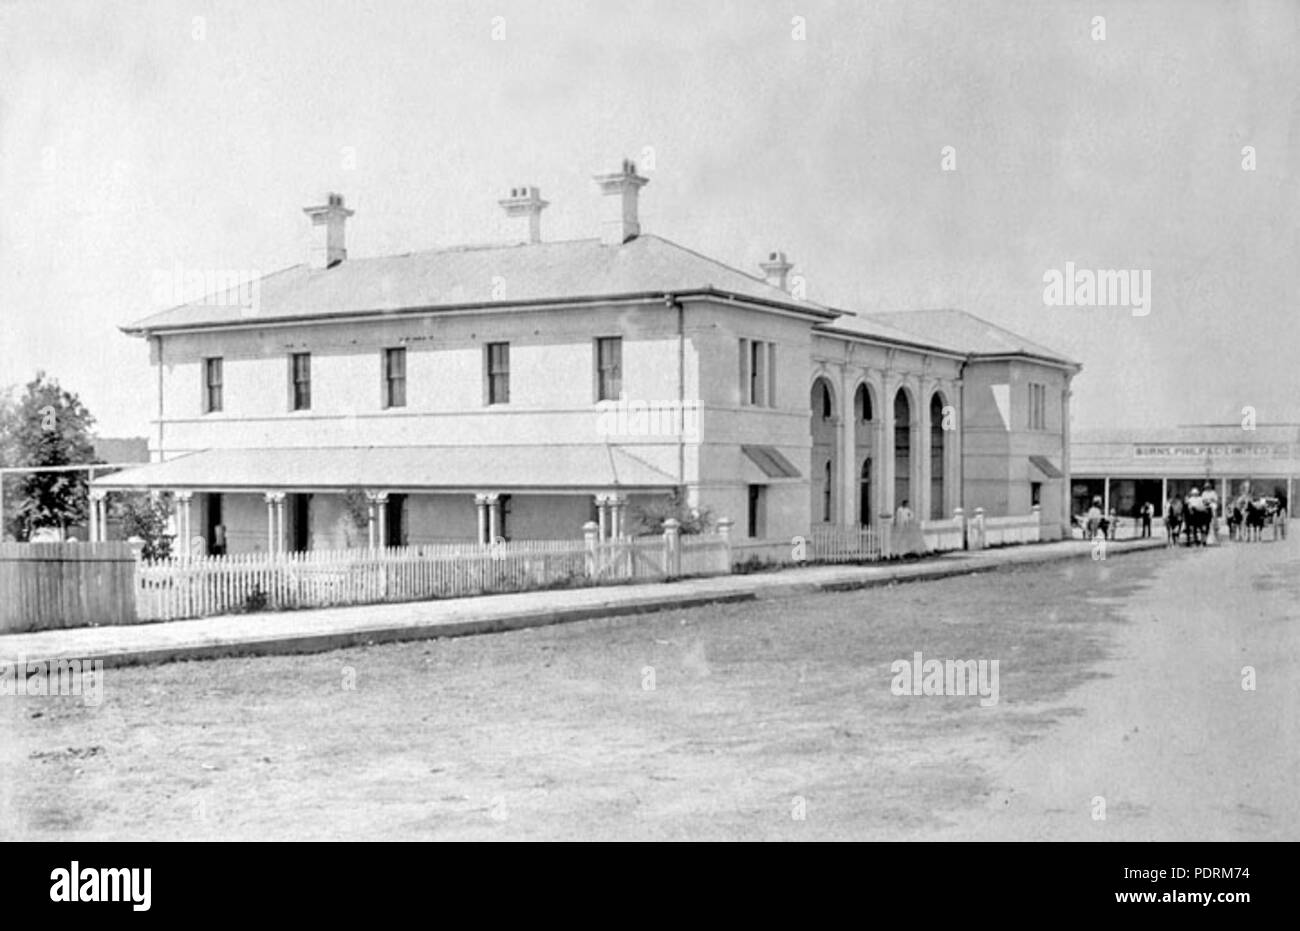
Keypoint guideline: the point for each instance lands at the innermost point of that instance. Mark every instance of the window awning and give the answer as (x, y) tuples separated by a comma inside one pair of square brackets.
[(770, 461), (1044, 465), (563, 467)]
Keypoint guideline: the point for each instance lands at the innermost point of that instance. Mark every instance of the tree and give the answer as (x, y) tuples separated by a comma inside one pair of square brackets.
[(48, 426), (8, 457), (144, 514)]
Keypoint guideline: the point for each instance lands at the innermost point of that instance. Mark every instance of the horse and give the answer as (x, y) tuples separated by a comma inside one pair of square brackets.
[(1256, 513), (1236, 517), (1173, 520), (1198, 522)]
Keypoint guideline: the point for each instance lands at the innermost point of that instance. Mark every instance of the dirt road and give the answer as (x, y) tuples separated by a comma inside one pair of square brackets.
[(1169, 738), (764, 720)]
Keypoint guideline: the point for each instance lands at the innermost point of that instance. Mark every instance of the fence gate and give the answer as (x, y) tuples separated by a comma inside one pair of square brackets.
[(47, 586)]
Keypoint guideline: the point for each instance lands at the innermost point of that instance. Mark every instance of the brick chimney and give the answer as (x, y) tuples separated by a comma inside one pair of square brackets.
[(526, 202), (776, 271), (620, 222), (328, 221)]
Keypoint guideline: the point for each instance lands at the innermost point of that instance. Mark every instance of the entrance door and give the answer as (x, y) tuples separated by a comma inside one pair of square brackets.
[(394, 529), (301, 521), (215, 531)]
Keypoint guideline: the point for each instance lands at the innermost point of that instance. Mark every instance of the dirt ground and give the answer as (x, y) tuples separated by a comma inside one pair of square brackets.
[(768, 720)]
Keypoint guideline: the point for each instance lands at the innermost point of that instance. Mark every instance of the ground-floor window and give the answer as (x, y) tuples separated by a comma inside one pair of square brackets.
[(757, 507), (1035, 493)]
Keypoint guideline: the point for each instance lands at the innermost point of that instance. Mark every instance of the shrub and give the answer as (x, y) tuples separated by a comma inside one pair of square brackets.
[(646, 520)]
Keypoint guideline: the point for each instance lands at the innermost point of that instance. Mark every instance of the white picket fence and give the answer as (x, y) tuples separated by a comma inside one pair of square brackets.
[(172, 589), (200, 586), (848, 543)]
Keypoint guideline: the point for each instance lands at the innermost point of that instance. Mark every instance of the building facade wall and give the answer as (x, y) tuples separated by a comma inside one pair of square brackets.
[(671, 355), (999, 440)]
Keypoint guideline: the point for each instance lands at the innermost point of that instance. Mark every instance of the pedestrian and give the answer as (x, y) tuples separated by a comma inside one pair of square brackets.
[(907, 538), (1095, 521), (1147, 511)]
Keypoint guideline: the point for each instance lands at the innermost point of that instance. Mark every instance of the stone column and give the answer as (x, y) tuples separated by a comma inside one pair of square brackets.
[(887, 503), (921, 447), (952, 467), (274, 520), (481, 503), (617, 506), (494, 516), (279, 522), (602, 509), (378, 518), (848, 449), (183, 521)]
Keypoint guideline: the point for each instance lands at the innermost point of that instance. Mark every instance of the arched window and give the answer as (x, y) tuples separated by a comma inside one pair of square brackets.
[(864, 493), (902, 448), (863, 405)]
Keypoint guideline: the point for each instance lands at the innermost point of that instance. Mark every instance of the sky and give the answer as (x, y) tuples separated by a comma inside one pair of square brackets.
[(138, 138)]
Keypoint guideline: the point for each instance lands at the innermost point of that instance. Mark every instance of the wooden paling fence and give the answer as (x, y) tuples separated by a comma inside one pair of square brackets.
[(44, 586), (182, 587)]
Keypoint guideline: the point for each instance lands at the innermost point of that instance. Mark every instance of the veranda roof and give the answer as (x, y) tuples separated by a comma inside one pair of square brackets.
[(575, 468)]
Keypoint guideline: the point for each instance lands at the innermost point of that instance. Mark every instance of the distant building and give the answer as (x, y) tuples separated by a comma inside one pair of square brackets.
[(121, 448), (519, 391), (1127, 468)]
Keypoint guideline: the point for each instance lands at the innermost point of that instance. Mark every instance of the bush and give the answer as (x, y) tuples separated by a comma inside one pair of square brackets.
[(255, 601), (647, 520)]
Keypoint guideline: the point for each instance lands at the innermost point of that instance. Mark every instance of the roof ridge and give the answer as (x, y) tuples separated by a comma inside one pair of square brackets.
[(740, 271)]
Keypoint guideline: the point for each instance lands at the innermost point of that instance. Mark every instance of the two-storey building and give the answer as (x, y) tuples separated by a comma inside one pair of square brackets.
[(518, 391)]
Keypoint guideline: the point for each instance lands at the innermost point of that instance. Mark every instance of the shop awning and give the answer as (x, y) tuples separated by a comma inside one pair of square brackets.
[(575, 467), (770, 461), (1044, 465)]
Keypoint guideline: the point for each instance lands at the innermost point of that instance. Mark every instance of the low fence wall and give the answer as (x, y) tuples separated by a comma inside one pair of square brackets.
[(1003, 531), (47, 586)]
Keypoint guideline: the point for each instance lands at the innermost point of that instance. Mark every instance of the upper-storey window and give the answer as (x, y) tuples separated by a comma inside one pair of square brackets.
[(1037, 406), (498, 373), (212, 384), (757, 373), (300, 381), (609, 368), (395, 378)]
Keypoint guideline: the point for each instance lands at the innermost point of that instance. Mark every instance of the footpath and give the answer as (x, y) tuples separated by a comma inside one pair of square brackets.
[(318, 630)]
